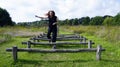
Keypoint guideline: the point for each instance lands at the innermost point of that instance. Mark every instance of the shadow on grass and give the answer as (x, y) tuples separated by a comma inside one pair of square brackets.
[(113, 61), (48, 61), (23, 61), (61, 46)]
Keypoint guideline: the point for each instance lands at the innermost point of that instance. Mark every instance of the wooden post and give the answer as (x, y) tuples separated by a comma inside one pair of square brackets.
[(40, 35), (84, 39), (79, 36), (33, 39), (81, 39), (29, 44), (38, 39), (14, 51), (90, 44), (98, 53)]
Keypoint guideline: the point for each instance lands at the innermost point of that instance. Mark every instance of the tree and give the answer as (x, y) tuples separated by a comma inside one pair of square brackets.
[(66, 21), (5, 18), (61, 22), (116, 20), (85, 21), (75, 21), (108, 21), (98, 20), (71, 21)]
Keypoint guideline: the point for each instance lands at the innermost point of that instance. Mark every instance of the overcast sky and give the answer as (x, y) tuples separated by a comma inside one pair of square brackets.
[(24, 10)]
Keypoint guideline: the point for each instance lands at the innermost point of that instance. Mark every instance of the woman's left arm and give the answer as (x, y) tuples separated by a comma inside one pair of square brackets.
[(55, 22)]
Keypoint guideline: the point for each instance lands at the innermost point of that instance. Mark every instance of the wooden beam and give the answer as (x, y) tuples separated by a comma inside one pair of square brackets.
[(58, 39), (65, 36), (57, 43), (29, 43), (62, 34), (56, 50)]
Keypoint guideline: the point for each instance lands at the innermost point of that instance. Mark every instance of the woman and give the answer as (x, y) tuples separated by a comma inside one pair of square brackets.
[(52, 27)]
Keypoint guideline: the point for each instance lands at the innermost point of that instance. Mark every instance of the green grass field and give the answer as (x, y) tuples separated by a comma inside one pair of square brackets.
[(108, 37)]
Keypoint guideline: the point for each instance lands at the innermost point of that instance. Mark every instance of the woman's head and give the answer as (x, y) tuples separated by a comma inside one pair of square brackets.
[(51, 13)]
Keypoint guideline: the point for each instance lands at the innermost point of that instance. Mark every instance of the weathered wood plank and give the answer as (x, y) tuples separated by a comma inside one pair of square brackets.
[(56, 50), (57, 43), (62, 35), (58, 39)]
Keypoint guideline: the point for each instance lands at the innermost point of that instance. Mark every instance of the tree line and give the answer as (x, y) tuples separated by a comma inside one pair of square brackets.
[(5, 20), (98, 20)]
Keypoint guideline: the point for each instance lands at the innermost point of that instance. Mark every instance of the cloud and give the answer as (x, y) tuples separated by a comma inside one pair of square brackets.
[(24, 10)]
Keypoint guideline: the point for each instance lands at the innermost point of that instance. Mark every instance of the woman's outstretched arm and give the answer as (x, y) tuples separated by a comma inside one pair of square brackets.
[(40, 17)]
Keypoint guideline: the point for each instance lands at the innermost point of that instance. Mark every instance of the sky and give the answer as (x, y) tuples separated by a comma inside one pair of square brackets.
[(25, 10)]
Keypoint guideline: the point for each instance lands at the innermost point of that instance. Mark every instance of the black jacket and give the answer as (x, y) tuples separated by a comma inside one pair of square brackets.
[(52, 20)]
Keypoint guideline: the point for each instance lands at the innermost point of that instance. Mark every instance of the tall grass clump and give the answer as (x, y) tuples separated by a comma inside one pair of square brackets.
[(5, 38), (83, 29), (109, 33)]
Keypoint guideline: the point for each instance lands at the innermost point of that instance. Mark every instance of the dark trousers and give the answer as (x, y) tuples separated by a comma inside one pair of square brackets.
[(52, 30)]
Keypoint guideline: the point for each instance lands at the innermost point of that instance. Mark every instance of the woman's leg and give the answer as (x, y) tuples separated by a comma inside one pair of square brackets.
[(54, 34), (49, 33)]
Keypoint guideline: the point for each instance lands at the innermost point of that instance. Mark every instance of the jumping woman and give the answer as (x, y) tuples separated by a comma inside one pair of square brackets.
[(52, 26)]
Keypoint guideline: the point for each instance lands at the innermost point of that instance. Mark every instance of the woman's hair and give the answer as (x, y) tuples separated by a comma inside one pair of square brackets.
[(48, 14)]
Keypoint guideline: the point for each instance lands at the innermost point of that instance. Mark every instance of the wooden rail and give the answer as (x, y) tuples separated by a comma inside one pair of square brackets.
[(29, 43), (61, 35), (59, 39)]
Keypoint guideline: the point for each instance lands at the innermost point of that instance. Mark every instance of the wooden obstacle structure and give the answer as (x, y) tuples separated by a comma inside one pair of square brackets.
[(82, 41), (37, 39), (15, 51), (29, 43)]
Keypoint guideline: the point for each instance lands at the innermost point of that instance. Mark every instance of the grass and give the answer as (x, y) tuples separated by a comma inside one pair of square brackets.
[(108, 37)]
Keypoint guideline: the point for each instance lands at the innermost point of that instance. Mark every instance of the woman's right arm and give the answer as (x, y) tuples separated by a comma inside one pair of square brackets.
[(40, 17)]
